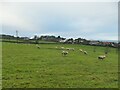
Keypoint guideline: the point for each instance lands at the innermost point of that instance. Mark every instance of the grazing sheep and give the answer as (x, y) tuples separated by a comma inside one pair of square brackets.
[(64, 53), (70, 49), (81, 50), (62, 48), (101, 57), (85, 52), (56, 47), (38, 46)]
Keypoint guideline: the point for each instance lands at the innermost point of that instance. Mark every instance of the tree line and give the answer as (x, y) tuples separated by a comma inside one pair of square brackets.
[(36, 39)]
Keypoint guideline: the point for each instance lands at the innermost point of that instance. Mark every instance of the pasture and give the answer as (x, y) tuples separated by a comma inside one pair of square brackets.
[(26, 66)]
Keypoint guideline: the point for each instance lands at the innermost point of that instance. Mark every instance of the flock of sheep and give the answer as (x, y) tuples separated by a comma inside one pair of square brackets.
[(65, 51)]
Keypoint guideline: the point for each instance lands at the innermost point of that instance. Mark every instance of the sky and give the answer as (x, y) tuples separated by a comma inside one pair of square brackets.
[(89, 20)]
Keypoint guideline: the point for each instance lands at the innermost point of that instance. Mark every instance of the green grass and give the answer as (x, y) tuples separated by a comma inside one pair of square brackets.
[(0, 65), (25, 65)]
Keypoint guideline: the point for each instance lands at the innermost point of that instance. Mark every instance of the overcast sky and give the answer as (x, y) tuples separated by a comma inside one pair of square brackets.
[(90, 20)]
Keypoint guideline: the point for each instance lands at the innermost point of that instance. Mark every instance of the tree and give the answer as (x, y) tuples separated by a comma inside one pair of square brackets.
[(58, 37), (36, 39), (70, 41)]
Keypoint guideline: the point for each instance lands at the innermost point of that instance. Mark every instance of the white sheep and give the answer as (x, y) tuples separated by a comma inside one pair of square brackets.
[(81, 50), (101, 57), (38, 46), (62, 48), (64, 53), (70, 49), (85, 52), (56, 47)]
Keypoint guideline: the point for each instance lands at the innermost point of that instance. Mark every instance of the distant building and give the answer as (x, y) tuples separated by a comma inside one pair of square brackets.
[(94, 42), (107, 43), (63, 41), (25, 38)]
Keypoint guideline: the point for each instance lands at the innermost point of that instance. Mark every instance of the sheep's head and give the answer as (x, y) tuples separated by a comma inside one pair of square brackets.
[(104, 56)]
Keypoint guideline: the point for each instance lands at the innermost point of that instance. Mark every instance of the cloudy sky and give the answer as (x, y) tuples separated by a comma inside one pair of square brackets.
[(90, 20)]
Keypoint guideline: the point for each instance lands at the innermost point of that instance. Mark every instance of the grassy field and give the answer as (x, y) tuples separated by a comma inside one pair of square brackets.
[(0, 65), (25, 66)]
